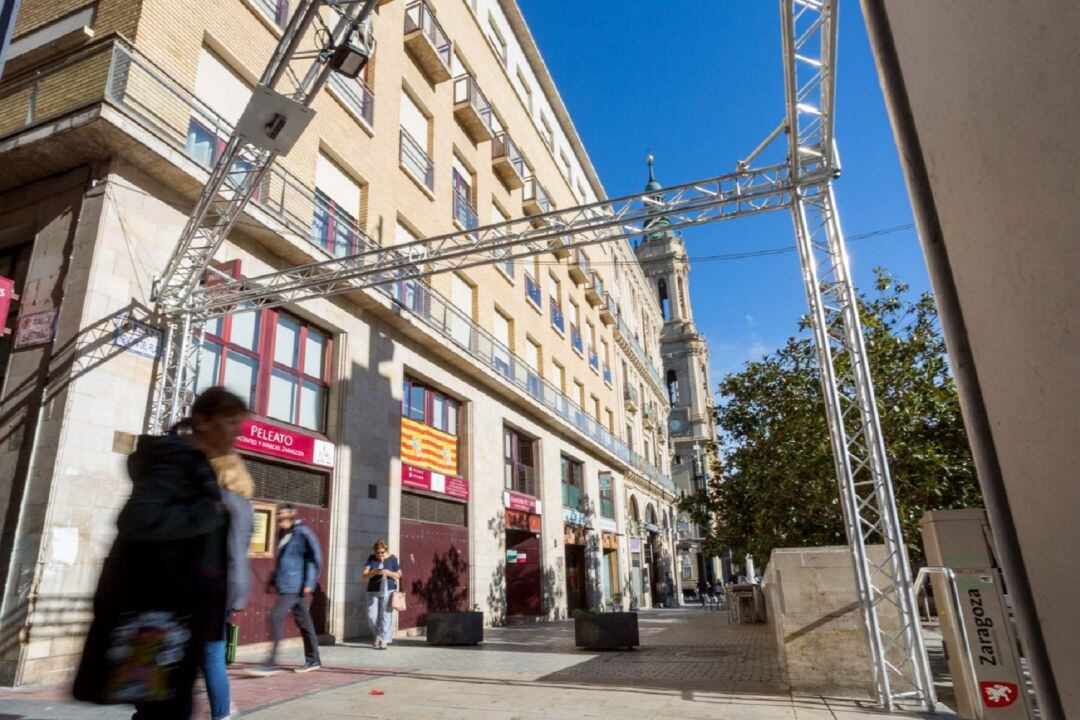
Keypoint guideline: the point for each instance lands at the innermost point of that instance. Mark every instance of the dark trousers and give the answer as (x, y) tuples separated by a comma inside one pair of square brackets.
[(299, 607)]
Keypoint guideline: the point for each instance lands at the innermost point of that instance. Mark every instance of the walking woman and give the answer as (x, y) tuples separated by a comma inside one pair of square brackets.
[(236, 489), (162, 592), (383, 574)]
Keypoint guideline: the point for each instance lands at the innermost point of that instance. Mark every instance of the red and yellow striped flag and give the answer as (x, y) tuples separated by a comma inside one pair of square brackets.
[(426, 447)]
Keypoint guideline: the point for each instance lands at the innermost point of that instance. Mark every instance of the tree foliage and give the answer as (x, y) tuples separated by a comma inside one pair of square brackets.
[(775, 484)]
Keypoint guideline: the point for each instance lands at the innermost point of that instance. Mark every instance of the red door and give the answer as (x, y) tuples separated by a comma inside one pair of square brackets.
[(435, 569), (523, 574), (254, 622)]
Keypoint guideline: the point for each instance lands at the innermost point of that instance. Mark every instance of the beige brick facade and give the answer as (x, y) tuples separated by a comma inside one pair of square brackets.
[(115, 120)]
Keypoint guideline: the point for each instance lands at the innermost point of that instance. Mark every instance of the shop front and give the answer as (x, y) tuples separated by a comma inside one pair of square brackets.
[(654, 561), (576, 542), (434, 533), (524, 569), (609, 565), (287, 465)]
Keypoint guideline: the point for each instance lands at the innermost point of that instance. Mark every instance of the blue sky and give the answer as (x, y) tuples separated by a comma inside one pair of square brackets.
[(700, 87)]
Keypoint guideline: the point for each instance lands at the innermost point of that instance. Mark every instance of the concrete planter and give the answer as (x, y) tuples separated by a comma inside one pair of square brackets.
[(455, 628), (607, 631)]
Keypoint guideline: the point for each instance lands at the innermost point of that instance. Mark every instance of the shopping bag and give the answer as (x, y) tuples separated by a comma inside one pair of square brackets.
[(397, 601)]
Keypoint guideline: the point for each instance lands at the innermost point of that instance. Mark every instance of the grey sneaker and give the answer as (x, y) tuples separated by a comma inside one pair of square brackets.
[(308, 667)]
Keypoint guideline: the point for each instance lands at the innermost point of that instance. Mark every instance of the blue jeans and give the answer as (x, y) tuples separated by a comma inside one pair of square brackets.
[(381, 616), (217, 679)]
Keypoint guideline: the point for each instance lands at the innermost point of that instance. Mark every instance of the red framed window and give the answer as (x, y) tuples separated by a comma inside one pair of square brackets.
[(426, 405), (519, 462), (278, 363)]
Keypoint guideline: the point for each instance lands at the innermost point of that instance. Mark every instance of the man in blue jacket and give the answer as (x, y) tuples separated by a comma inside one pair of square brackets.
[(299, 560)]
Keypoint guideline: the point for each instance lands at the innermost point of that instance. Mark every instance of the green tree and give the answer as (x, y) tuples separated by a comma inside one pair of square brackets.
[(775, 484)]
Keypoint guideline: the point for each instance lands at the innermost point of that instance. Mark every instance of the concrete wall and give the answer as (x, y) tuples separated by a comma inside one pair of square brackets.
[(984, 104)]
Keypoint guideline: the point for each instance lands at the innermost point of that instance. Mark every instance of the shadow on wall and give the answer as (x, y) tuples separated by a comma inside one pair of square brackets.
[(496, 599), (371, 462), (443, 591)]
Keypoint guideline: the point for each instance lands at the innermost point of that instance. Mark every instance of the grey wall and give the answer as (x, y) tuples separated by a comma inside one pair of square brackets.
[(985, 102)]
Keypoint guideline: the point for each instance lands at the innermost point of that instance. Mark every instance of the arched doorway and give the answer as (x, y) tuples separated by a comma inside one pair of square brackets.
[(636, 586), (653, 555)]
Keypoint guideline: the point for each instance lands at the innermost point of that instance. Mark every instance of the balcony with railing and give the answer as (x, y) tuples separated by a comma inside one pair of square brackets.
[(579, 266), (609, 310), (535, 201), (156, 108), (572, 497), (508, 161), (594, 291), (415, 161), (523, 480), (357, 96), (594, 359), (464, 212), (472, 109), (608, 379), (649, 416), (532, 291), (630, 398), (427, 42), (275, 10), (557, 320), (576, 341)]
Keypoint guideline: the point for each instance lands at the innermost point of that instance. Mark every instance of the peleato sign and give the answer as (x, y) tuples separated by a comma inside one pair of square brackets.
[(266, 439)]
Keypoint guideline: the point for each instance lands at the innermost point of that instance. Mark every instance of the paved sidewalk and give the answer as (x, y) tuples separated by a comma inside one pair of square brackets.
[(691, 665)]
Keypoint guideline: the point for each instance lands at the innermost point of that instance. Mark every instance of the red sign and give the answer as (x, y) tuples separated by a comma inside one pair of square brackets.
[(7, 286), (422, 479), (999, 694), (519, 501), (266, 439)]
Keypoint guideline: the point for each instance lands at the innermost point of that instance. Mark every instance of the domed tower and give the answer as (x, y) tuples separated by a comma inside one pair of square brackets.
[(691, 424)]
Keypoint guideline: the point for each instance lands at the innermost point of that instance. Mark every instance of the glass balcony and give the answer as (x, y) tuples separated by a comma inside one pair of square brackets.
[(357, 96), (472, 109), (579, 266), (416, 162), (427, 42), (572, 497), (532, 291), (508, 161), (609, 310), (594, 291), (535, 200), (557, 320), (630, 398), (575, 340), (464, 213)]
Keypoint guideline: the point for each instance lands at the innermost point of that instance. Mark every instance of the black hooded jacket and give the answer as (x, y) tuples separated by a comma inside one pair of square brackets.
[(169, 554)]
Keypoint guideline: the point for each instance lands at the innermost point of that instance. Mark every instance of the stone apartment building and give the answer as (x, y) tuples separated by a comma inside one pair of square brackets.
[(504, 427)]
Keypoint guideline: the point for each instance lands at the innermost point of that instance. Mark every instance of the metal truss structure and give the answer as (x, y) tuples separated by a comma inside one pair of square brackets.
[(802, 184)]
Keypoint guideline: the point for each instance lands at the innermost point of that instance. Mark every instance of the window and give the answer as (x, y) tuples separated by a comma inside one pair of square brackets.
[(277, 363), (223, 96), (575, 328), (501, 328), (610, 421), (462, 297), (461, 181), (545, 132), (498, 215), (532, 359), (337, 204), (630, 436), (555, 302), (519, 462), (665, 301), (595, 406), (426, 405), (573, 491), (558, 376), (673, 387), (525, 90), (607, 496), (403, 235), (564, 163), (414, 142), (495, 37)]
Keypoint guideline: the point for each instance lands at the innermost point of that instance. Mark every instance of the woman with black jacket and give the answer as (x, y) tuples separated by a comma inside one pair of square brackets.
[(162, 592)]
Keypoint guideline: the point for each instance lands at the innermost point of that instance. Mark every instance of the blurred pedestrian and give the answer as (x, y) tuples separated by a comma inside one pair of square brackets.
[(162, 591), (383, 573), (236, 489), (299, 561)]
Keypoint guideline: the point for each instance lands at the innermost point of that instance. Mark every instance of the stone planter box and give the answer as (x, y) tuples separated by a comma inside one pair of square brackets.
[(607, 631), (455, 628)]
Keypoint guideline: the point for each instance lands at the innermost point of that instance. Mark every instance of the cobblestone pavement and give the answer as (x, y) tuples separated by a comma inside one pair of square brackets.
[(691, 664)]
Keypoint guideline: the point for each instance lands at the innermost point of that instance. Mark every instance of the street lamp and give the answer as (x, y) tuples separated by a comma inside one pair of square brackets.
[(350, 57)]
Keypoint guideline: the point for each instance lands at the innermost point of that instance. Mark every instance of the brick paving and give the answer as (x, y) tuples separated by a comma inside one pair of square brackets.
[(692, 664)]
